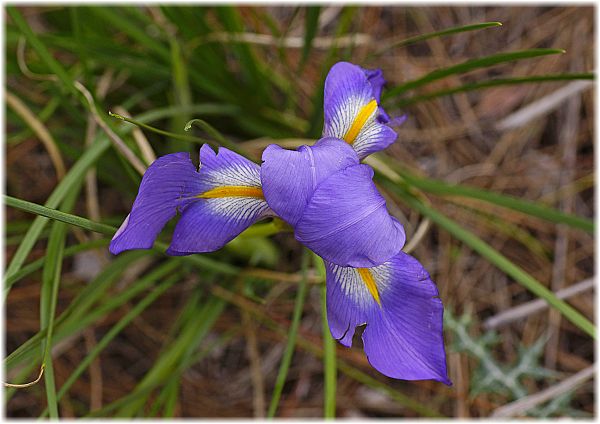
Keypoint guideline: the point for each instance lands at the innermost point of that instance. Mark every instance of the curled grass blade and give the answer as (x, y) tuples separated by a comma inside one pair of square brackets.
[(215, 134), (183, 137), (291, 341), (42, 51), (493, 83), (469, 65), (496, 258)]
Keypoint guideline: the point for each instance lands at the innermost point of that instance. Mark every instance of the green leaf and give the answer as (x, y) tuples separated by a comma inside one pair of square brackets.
[(187, 341), (534, 209), (329, 359), (423, 37), (113, 332), (78, 314), (38, 263), (118, 20), (469, 65), (291, 341), (311, 24), (497, 259), (59, 215), (72, 178), (49, 297), (494, 83)]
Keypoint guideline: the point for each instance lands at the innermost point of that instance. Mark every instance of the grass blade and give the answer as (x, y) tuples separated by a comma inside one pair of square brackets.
[(113, 332), (59, 215), (534, 209), (423, 37), (315, 349), (311, 25), (494, 83), (469, 65), (188, 340), (73, 177), (78, 308), (291, 341), (38, 263), (49, 297), (499, 260), (329, 359)]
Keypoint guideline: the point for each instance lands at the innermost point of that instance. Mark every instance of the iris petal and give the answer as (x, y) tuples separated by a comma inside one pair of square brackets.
[(289, 177), (403, 337), (217, 202), (230, 200), (161, 193), (349, 95), (346, 221)]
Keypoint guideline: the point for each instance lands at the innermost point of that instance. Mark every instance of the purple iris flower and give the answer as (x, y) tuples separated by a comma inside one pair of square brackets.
[(329, 198), (332, 203)]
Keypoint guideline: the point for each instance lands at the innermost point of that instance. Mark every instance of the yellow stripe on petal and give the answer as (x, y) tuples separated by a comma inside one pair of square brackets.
[(369, 281), (359, 122), (232, 191)]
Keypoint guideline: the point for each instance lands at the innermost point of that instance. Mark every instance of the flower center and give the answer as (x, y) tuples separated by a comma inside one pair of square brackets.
[(232, 191), (359, 122), (369, 281)]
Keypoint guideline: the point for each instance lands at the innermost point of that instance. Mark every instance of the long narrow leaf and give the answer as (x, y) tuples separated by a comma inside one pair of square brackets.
[(329, 359), (59, 215), (442, 33), (49, 297), (113, 332), (311, 24), (493, 83), (73, 177), (534, 209), (291, 341), (469, 65)]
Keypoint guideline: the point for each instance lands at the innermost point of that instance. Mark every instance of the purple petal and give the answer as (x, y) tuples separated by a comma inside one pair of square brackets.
[(162, 191), (211, 222), (403, 337), (346, 221), (375, 78), (352, 111), (208, 225), (289, 177)]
